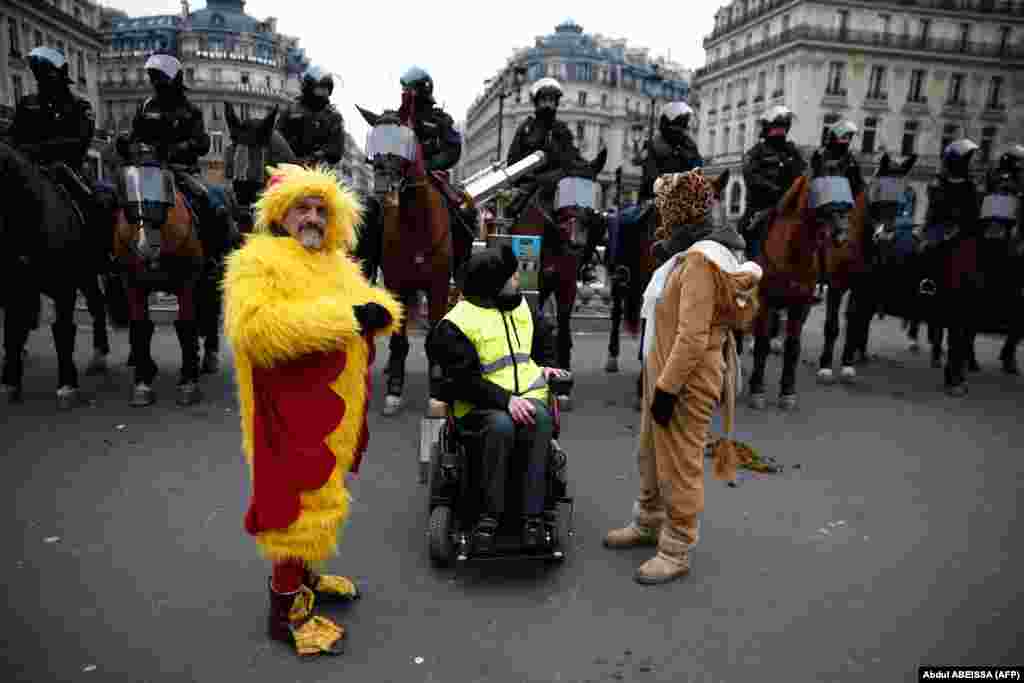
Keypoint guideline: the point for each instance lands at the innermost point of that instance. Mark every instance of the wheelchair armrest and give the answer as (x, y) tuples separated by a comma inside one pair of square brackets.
[(561, 386)]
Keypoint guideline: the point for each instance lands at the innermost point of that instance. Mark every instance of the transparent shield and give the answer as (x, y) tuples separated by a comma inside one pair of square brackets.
[(831, 190), (888, 189), (147, 185), (576, 192), (391, 139), (999, 207)]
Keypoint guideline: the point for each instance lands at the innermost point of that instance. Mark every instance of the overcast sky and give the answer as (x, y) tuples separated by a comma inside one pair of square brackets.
[(370, 44)]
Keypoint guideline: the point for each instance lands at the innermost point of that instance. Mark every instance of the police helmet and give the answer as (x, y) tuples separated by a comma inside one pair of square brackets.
[(164, 67), (956, 158), (676, 113), (317, 77), (545, 86), (1012, 159), (417, 80), (842, 132), (778, 116), (44, 61)]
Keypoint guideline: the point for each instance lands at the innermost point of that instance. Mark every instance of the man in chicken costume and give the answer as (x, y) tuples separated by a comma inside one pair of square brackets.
[(691, 306), (301, 320)]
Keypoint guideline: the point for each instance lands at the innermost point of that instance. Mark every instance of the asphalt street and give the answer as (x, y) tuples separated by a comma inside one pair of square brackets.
[(891, 539)]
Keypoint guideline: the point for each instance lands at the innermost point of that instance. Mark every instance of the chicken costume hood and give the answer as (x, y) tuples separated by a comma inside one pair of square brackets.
[(301, 364)]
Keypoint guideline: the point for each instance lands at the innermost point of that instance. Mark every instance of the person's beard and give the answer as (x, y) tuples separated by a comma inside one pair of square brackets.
[(311, 236)]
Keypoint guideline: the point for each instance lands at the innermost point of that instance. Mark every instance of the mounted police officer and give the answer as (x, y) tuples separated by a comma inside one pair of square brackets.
[(174, 127), (836, 150), (312, 126), (769, 170), (543, 132), (672, 150), (54, 127)]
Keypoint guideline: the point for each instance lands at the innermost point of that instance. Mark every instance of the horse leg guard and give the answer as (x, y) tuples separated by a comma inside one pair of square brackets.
[(188, 337), (399, 351), (140, 337), (790, 360)]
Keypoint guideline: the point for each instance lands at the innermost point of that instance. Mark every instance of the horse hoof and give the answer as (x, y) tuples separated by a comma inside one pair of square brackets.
[(758, 401), (957, 391), (211, 364), (143, 395), (188, 394), (14, 394), (787, 402), (776, 346), (848, 375), (914, 347), (97, 365), (392, 404), (67, 398), (826, 376), (565, 404), (612, 365)]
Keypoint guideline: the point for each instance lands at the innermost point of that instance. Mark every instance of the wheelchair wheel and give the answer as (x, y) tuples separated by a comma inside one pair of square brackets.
[(442, 551)]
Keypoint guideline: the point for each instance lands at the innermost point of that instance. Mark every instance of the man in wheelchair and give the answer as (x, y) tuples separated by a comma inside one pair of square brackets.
[(493, 350)]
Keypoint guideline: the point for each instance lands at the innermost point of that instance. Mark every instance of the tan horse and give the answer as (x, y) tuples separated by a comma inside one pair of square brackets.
[(156, 244)]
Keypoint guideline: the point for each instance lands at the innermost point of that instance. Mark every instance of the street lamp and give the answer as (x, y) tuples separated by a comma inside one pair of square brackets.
[(507, 88)]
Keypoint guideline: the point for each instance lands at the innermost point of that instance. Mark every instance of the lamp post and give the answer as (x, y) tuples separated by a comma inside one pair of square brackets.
[(507, 88)]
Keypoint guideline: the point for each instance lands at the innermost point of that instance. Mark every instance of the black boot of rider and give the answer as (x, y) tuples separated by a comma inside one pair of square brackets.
[(485, 535), (533, 533)]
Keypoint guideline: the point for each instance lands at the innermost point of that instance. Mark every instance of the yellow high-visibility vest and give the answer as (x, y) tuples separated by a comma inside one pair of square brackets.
[(504, 342)]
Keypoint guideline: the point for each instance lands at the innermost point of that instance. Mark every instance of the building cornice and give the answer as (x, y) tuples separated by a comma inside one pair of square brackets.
[(59, 20)]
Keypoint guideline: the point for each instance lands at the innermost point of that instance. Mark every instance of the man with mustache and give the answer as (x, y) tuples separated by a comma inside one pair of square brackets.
[(301, 319)]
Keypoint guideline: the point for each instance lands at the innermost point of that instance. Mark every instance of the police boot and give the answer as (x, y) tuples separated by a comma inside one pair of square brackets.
[(188, 382), (291, 620), (485, 535)]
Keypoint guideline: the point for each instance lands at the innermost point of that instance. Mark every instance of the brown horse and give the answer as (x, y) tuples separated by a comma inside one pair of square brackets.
[(815, 211), (569, 230), (156, 243), (418, 252), (850, 268)]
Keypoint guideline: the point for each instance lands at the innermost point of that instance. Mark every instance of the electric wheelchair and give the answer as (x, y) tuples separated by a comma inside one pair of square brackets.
[(453, 482)]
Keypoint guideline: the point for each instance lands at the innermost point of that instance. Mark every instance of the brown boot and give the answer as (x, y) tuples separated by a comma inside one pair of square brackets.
[(331, 587), (643, 530), (291, 620), (672, 561)]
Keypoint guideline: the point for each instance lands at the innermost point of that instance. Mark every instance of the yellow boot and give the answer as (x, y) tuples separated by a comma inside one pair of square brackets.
[(291, 620), (331, 587)]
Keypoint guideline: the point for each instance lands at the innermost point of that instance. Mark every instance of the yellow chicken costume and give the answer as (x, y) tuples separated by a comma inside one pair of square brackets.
[(295, 316)]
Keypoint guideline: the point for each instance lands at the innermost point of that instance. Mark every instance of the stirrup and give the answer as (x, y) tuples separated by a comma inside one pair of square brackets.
[(928, 287)]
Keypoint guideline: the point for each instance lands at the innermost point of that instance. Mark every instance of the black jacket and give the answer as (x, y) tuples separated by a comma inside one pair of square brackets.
[(309, 131), (442, 143), (554, 139), (485, 274), (664, 157), (175, 128), (769, 171), (953, 204), (54, 130)]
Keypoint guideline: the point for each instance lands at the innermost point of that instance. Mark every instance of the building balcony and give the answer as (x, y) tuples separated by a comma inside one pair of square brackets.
[(205, 87), (994, 112), (999, 7), (834, 98), (917, 106), (955, 109), (829, 37), (876, 101), (223, 56)]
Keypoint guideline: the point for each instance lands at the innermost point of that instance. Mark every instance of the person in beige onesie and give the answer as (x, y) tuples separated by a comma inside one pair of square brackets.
[(693, 303)]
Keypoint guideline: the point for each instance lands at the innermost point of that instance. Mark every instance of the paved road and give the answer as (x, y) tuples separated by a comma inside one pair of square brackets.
[(895, 542)]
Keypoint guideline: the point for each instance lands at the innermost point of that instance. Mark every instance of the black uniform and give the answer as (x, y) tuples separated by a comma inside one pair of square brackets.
[(56, 132), (315, 130), (442, 143), (556, 141), (664, 155), (847, 166), (769, 169)]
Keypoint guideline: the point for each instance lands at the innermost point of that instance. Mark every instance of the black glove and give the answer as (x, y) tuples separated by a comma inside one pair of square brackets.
[(662, 406), (371, 316)]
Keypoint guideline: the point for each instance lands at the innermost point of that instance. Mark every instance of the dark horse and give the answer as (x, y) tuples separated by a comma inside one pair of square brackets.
[(815, 211), (418, 249), (568, 238), (47, 250), (156, 242), (851, 268)]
